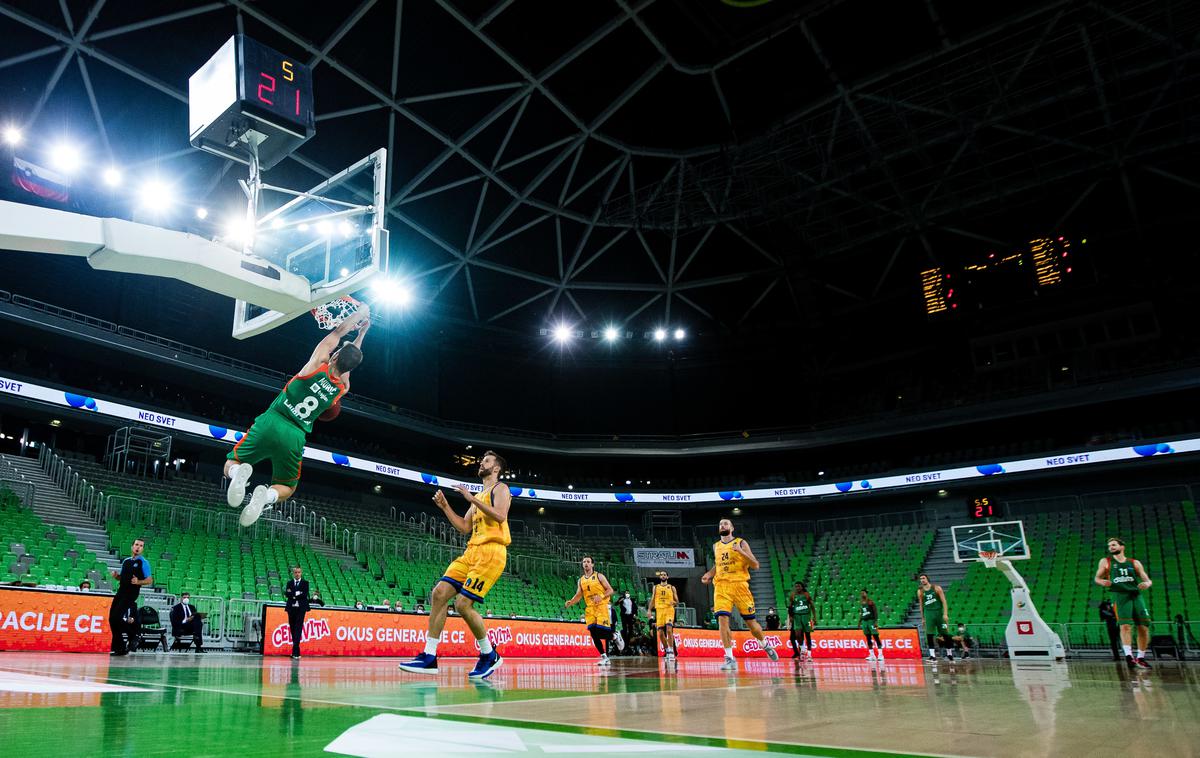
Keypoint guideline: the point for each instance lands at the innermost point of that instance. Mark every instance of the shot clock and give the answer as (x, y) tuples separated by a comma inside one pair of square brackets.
[(981, 507), (250, 95)]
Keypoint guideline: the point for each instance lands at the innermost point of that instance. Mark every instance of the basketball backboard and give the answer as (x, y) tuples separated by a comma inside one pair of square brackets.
[(1004, 538), (332, 235)]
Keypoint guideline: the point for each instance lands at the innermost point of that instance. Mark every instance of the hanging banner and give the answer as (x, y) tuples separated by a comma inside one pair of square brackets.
[(664, 557)]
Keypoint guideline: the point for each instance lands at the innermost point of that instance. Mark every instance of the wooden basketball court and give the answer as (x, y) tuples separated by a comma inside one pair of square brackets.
[(219, 704)]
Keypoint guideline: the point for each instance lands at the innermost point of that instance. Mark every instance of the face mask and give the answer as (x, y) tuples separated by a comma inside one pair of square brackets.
[(186, 601)]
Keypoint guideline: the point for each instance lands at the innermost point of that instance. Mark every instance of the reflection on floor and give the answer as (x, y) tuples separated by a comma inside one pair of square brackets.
[(159, 704)]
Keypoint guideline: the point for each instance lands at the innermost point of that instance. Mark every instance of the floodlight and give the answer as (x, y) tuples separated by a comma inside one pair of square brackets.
[(155, 195), (345, 272), (346, 228), (236, 228), (66, 157), (12, 135), (277, 223), (611, 334), (112, 177), (389, 291), (660, 335), (324, 228), (202, 213), (562, 333), (680, 334)]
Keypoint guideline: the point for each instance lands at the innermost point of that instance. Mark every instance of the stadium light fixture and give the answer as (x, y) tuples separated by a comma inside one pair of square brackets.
[(156, 195), (236, 228), (660, 335), (346, 229), (562, 334), (679, 334), (12, 136), (324, 228), (112, 177), (66, 157), (611, 334), (391, 292), (202, 213), (277, 223)]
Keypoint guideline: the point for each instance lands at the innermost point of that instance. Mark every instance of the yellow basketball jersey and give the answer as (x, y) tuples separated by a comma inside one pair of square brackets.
[(591, 586), (732, 566), (662, 596), (486, 530)]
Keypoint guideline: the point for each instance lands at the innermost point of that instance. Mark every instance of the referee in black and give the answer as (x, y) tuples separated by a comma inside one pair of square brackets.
[(296, 593), (134, 574)]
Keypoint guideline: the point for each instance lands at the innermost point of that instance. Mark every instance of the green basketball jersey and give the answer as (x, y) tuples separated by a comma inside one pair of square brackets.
[(930, 602), (304, 398), (868, 612), (1123, 576), (800, 606)]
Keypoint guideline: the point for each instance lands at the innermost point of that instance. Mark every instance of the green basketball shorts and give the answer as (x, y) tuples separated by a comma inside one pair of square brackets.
[(273, 438)]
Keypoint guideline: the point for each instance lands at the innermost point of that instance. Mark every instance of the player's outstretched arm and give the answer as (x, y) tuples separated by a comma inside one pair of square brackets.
[(326, 346), (1102, 574), (462, 524)]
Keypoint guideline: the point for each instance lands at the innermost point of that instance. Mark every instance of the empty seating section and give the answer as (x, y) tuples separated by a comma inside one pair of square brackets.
[(838, 565), (237, 567), (1066, 548), (790, 554), (36, 553)]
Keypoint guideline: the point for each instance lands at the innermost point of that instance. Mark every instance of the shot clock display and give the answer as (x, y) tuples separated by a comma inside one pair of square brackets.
[(982, 507), (248, 94)]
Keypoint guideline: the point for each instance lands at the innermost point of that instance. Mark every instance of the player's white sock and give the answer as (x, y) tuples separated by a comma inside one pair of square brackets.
[(1128, 649), (272, 495), (485, 646), (728, 652), (1141, 654), (431, 644)]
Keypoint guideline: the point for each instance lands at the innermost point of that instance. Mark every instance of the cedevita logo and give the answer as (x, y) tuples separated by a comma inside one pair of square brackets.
[(498, 636), (314, 629), (752, 645)]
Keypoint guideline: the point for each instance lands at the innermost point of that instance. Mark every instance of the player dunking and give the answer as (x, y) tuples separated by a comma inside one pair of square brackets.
[(593, 588), (279, 433), (802, 619), (870, 625), (473, 574), (730, 576), (1126, 578), (664, 602), (936, 613)]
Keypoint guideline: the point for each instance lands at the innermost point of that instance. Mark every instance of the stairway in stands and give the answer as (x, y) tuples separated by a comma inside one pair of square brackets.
[(54, 507), (762, 585), (941, 568)]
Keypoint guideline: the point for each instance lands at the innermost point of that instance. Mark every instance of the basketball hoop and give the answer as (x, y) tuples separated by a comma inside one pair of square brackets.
[(989, 558), (332, 314)]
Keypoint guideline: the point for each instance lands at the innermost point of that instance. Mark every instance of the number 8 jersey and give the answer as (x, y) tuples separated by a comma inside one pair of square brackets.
[(306, 397)]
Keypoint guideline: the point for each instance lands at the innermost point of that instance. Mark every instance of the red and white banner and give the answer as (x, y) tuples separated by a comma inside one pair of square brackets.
[(331, 631), (827, 643), (68, 622)]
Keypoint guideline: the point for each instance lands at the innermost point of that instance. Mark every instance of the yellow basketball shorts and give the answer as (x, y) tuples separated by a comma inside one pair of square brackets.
[(730, 596), (475, 572), (598, 615), (664, 615)]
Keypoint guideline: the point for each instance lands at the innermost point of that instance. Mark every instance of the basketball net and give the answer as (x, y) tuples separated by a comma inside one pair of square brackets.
[(989, 558), (332, 314)]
